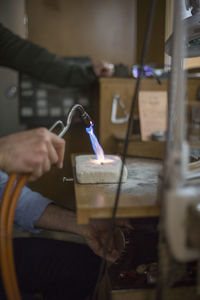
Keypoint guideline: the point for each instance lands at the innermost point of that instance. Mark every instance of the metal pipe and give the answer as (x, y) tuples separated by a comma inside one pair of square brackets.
[(83, 114), (176, 152), (59, 122)]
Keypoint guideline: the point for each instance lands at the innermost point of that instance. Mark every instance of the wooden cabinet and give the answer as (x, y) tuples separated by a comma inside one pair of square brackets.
[(125, 88), (110, 133)]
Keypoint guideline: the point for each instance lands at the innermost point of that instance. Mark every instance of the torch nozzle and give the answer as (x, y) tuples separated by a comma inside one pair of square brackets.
[(83, 114), (86, 119)]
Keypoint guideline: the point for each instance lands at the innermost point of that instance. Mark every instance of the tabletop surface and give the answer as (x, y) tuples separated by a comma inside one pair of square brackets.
[(138, 195)]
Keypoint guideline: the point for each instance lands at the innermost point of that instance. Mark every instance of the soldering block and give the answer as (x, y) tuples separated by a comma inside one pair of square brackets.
[(90, 170)]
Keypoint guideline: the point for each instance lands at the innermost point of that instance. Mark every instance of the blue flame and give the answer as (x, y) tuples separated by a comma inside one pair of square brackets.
[(95, 144)]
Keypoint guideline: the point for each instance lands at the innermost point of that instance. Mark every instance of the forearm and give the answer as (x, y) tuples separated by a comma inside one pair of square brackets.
[(36, 61), (59, 219), (95, 234)]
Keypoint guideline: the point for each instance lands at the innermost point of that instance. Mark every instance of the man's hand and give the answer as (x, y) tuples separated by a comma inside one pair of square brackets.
[(32, 151), (104, 69), (95, 236)]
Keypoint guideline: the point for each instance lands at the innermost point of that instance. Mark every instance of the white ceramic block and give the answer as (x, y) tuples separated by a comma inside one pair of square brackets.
[(89, 170)]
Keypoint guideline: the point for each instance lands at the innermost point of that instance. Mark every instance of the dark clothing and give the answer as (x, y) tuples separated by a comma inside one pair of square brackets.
[(57, 270), (31, 59)]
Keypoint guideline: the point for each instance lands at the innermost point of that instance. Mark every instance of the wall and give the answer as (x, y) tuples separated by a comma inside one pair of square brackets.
[(99, 29)]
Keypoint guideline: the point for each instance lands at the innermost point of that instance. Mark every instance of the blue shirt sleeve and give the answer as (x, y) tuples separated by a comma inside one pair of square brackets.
[(30, 207)]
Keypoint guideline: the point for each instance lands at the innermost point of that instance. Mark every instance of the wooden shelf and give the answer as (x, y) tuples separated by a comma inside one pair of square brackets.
[(138, 148), (193, 103)]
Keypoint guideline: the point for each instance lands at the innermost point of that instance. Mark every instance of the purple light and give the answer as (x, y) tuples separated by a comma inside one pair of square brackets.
[(135, 72), (147, 71)]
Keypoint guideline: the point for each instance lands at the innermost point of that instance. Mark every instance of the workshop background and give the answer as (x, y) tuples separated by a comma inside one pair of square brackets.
[(98, 30)]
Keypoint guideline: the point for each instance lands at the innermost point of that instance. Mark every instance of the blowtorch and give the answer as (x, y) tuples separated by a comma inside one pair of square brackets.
[(83, 114), (88, 124)]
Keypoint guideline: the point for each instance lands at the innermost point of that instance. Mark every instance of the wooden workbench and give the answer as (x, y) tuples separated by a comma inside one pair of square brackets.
[(138, 197)]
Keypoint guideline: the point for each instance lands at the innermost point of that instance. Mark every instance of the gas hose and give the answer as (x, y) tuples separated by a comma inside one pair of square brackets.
[(9, 202)]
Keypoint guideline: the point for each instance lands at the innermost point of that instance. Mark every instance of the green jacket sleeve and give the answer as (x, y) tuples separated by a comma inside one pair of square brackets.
[(31, 59)]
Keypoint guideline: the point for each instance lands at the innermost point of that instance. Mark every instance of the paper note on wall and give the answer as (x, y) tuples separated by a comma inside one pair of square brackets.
[(152, 113)]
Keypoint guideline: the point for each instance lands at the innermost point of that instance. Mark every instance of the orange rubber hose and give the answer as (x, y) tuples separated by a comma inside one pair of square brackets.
[(6, 193), (8, 207), (4, 234), (13, 204)]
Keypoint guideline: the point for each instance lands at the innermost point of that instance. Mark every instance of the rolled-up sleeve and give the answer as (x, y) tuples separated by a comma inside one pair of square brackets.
[(30, 207)]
